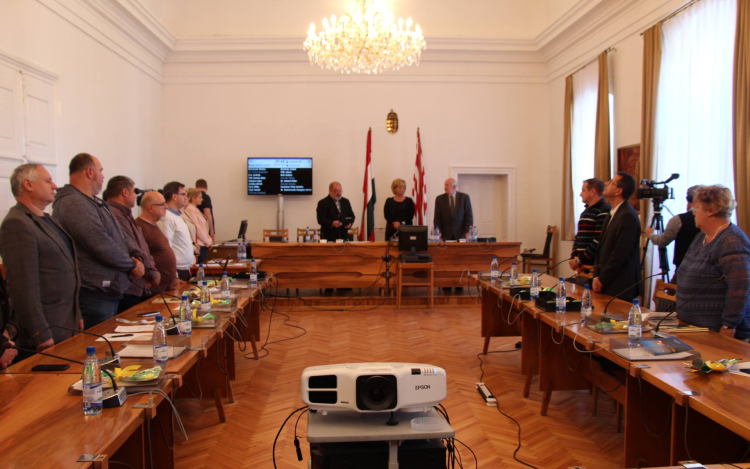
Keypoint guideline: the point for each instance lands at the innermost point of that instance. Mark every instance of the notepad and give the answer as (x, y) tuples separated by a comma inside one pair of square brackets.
[(147, 351), (129, 329), (114, 338)]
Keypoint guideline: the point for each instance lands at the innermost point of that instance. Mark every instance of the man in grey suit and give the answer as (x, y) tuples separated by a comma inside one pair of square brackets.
[(453, 212), (40, 263)]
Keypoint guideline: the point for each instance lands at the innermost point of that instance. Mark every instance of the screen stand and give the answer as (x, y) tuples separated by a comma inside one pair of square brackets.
[(280, 213)]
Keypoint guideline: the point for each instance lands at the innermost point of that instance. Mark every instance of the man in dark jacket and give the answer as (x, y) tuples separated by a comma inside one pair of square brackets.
[(40, 263), (335, 214), (617, 263), (120, 195), (453, 214), (106, 262)]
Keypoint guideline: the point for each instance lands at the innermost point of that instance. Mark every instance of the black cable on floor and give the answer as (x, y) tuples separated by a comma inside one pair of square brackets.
[(518, 448), (481, 362), (476, 461)]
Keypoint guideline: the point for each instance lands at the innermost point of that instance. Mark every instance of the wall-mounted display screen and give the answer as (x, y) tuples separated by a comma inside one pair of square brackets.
[(273, 176)]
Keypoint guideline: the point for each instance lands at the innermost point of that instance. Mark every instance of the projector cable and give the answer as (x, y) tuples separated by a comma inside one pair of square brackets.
[(273, 453)]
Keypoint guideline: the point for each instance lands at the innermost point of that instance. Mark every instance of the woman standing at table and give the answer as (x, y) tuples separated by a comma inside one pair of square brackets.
[(203, 239), (721, 248), (398, 209)]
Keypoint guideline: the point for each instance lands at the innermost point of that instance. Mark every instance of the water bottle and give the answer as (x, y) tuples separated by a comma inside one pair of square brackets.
[(437, 234), (494, 269), (92, 383), (225, 292), (560, 299), (586, 305), (241, 252), (253, 274), (513, 275), (635, 321), (307, 235), (201, 275), (186, 317), (316, 236), (205, 299), (534, 290), (159, 342)]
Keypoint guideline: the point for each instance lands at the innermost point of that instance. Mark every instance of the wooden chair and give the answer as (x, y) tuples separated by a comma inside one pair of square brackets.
[(275, 236), (354, 232), (546, 259), (301, 233), (665, 295)]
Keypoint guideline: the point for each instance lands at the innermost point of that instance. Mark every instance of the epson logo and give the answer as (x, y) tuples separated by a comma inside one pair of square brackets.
[(421, 386)]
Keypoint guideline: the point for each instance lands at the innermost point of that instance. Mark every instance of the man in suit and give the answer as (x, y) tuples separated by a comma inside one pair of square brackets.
[(453, 213), (40, 262), (617, 259), (335, 214)]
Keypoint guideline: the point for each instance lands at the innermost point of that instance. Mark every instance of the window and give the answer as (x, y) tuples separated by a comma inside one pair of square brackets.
[(583, 131)]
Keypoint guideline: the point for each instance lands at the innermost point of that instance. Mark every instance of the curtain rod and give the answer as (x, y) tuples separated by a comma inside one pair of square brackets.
[(611, 49), (673, 14)]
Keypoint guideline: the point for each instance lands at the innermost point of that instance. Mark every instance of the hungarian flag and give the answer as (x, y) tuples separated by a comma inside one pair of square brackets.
[(368, 210), (419, 188)]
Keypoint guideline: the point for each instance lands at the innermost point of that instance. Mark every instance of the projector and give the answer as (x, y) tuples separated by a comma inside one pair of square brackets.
[(373, 387)]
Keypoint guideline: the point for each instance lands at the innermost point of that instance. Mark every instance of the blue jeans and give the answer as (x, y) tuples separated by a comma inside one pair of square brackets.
[(96, 310)]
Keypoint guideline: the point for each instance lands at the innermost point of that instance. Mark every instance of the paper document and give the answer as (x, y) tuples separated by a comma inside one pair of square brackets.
[(147, 351), (114, 337), (126, 329)]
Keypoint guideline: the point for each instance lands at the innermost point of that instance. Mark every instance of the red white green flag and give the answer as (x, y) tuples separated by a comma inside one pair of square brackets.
[(368, 210), (419, 188)]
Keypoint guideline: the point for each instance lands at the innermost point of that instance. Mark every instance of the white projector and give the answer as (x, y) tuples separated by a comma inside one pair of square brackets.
[(373, 387)]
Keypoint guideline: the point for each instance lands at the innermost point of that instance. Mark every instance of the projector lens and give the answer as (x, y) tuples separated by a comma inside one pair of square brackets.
[(376, 392)]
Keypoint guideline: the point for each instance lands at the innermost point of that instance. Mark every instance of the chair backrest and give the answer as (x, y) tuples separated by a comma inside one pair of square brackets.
[(275, 236), (354, 231), (550, 243), (301, 233), (665, 291)]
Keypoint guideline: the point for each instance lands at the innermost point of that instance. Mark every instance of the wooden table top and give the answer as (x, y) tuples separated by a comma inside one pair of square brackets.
[(34, 435)]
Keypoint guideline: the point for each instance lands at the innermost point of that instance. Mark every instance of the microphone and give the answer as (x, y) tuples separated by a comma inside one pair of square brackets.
[(115, 397), (631, 286), (553, 267), (503, 259), (658, 324), (587, 270), (173, 329), (672, 178), (105, 360)]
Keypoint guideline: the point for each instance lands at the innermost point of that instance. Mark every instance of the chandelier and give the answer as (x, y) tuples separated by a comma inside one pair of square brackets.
[(365, 41)]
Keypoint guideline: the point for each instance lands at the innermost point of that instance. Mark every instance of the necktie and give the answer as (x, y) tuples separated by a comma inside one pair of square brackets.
[(338, 205), (453, 206)]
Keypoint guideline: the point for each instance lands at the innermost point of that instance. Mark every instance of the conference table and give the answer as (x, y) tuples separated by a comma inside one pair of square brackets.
[(44, 424), (665, 404), (363, 264)]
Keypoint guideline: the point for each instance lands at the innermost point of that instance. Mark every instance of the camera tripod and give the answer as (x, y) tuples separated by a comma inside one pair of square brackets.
[(657, 223)]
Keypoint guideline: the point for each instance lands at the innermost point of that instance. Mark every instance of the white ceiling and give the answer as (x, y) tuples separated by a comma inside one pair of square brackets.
[(485, 19)]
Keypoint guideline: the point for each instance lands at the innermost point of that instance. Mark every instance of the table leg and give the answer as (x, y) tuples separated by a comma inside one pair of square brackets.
[(393, 455)]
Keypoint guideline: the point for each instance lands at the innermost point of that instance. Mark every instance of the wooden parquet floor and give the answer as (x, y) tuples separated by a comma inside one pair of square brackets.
[(267, 390)]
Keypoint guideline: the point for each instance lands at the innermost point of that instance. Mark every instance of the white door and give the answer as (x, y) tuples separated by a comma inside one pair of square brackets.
[(488, 194)]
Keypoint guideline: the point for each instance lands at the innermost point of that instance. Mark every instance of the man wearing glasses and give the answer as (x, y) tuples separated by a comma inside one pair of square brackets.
[(153, 209), (106, 261), (175, 229)]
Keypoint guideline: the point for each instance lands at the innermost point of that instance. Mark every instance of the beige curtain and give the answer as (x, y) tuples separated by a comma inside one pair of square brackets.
[(602, 157), (652, 42), (741, 130), (568, 221)]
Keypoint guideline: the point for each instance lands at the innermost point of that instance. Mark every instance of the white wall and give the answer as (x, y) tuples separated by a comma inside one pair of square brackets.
[(108, 106), (210, 129)]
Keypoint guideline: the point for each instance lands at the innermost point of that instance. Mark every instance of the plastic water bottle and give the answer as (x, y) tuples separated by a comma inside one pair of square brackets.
[(534, 290), (513, 275), (92, 383), (186, 317), (205, 299), (316, 236), (225, 292), (560, 299), (253, 274), (201, 275), (586, 304), (241, 252), (494, 269), (307, 235), (635, 323), (159, 342), (437, 234)]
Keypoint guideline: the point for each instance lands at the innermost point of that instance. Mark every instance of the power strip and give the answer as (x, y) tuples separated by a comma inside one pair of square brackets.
[(484, 391)]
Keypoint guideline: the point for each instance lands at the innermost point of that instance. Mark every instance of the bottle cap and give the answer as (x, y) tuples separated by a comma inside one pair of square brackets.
[(224, 273), (513, 263), (562, 279), (636, 302), (184, 296), (587, 287), (205, 283), (534, 271), (159, 318), (200, 265), (90, 350)]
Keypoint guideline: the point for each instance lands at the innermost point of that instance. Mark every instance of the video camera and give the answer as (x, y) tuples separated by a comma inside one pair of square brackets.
[(140, 193), (657, 193)]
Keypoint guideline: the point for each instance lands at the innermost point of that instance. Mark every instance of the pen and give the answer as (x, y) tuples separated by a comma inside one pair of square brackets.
[(122, 335)]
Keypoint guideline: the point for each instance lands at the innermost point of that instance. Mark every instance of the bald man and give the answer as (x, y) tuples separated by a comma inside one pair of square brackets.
[(153, 209), (453, 213), (335, 214)]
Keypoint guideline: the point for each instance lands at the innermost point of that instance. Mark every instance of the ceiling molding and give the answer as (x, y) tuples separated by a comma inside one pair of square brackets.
[(565, 21), (26, 66), (109, 24), (152, 24)]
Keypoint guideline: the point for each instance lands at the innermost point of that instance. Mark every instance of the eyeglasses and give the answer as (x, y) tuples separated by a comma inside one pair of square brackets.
[(158, 205), (182, 193)]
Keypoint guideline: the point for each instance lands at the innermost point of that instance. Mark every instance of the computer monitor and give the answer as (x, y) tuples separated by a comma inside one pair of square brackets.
[(243, 229), (412, 238)]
